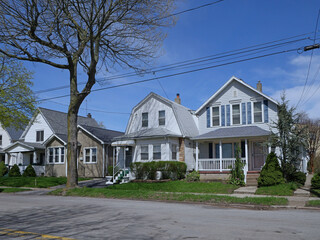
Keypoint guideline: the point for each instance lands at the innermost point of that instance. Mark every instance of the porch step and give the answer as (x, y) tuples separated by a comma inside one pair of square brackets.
[(252, 179)]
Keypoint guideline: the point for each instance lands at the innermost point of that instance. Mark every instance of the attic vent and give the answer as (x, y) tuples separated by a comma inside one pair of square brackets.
[(235, 93)]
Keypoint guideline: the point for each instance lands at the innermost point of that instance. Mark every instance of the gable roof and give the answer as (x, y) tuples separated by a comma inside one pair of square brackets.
[(26, 145), (15, 134), (148, 133), (233, 78), (184, 115), (101, 134)]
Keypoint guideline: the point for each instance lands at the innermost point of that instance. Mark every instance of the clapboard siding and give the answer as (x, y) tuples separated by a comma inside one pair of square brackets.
[(37, 125)]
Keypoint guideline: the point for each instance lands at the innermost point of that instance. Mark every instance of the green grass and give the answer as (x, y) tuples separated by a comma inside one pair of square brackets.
[(162, 196), (37, 182), (286, 189), (313, 203), (13, 190), (178, 186)]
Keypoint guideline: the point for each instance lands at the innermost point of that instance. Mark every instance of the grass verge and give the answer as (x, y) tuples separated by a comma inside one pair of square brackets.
[(13, 190), (36, 182), (162, 196), (286, 189), (315, 192), (313, 203)]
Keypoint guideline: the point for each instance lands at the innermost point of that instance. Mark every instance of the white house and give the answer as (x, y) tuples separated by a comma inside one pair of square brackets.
[(8, 136)]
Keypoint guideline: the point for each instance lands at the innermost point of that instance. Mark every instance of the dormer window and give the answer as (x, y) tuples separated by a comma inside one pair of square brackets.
[(257, 108), (162, 118), (215, 116), (236, 114), (40, 136), (144, 119)]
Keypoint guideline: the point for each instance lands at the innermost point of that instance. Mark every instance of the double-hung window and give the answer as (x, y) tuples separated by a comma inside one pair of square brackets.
[(215, 116), (40, 136), (174, 151), (145, 119), (162, 118), (257, 108), (90, 155), (144, 155), (56, 155), (236, 114), (157, 152), (0, 140)]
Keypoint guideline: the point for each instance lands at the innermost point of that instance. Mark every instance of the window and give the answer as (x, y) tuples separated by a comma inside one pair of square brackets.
[(90, 155), (157, 152), (40, 135), (236, 114), (174, 151), (55, 155), (228, 150), (144, 155), (215, 116), (144, 119), (257, 108), (0, 140), (162, 118)]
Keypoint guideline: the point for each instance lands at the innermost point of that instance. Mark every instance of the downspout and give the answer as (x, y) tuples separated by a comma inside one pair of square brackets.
[(103, 159)]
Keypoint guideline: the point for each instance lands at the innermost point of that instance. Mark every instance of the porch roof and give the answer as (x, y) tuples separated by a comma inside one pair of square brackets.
[(27, 145), (148, 133), (234, 132)]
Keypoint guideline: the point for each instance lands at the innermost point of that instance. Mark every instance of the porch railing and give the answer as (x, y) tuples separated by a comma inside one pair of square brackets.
[(215, 164)]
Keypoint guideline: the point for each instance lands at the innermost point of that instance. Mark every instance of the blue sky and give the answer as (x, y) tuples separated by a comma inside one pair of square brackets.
[(229, 25)]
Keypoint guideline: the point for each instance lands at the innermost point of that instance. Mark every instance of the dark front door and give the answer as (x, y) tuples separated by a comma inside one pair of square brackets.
[(128, 157), (258, 156)]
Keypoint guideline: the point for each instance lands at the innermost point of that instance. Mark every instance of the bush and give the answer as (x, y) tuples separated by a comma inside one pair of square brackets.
[(14, 171), (315, 181), (3, 169), (237, 174), (170, 169), (193, 176), (271, 173), (110, 170), (298, 177), (29, 172)]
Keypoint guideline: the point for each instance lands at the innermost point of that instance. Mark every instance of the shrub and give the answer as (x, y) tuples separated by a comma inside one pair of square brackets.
[(193, 176), (315, 181), (110, 170), (3, 169), (237, 174), (271, 173), (29, 172), (298, 177), (14, 171)]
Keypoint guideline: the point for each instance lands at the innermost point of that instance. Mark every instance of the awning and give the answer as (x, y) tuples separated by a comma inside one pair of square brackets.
[(123, 143)]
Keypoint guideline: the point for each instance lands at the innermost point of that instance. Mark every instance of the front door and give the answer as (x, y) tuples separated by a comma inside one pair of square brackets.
[(128, 157), (258, 156)]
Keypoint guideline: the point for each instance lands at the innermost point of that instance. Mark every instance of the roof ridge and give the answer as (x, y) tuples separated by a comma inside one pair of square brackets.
[(84, 126)]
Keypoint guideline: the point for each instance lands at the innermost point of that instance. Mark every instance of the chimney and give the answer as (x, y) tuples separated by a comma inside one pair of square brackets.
[(178, 99), (259, 86), (89, 115)]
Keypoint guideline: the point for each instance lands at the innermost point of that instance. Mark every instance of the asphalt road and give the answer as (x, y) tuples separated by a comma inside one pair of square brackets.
[(89, 218)]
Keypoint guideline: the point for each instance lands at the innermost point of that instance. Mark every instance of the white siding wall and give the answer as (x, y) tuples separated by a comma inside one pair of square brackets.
[(243, 95), (6, 139), (152, 107), (38, 125)]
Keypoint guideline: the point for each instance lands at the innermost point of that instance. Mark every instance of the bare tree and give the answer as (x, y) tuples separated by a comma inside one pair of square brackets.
[(67, 34)]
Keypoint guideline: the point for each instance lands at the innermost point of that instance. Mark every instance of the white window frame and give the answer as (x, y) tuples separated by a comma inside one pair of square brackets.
[(162, 118), (219, 115), (239, 114), (90, 155), (147, 147), (153, 152), (61, 157), (40, 130), (258, 112), (143, 121)]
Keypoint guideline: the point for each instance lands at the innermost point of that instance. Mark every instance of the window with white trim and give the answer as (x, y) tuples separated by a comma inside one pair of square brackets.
[(144, 155), (215, 116), (0, 140), (236, 114), (56, 155), (162, 118), (157, 152), (40, 136), (90, 155), (257, 110), (145, 119), (174, 151)]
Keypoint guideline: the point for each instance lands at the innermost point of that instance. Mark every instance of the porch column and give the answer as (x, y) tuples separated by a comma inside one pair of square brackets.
[(6, 159), (197, 155), (246, 167), (34, 157), (220, 155), (269, 148), (246, 150), (113, 156), (124, 157)]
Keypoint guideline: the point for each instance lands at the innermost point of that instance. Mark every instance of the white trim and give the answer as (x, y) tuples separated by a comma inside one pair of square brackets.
[(233, 78), (85, 130), (123, 143), (84, 155), (18, 143), (53, 155), (51, 137)]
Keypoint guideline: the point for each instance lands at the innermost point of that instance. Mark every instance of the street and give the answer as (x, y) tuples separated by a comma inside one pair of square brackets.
[(92, 218)]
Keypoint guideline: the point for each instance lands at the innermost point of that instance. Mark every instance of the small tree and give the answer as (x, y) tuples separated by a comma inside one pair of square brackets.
[(237, 174), (29, 172), (288, 136), (14, 171), (3, 169)]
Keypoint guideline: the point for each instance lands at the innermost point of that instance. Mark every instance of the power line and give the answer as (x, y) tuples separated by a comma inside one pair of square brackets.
[(177, 74)]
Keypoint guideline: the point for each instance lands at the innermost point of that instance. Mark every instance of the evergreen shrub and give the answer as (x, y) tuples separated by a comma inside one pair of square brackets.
[(14, 171), (237, 174), (298, 177), (29, 172), (315, 181), (3, 169), (193, 176), (271, 172)]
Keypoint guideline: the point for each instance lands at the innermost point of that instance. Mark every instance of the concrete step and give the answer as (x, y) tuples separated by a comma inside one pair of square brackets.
[(301, 193)]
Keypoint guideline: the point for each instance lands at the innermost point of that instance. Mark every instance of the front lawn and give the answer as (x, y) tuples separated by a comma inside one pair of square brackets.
[(143, 194), (315, 192), (285, 189), (36, 182), (13, 190), (178, 186), (313, 203)]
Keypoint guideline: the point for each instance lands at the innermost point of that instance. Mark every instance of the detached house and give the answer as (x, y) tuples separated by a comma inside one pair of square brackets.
[(8, 136)]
